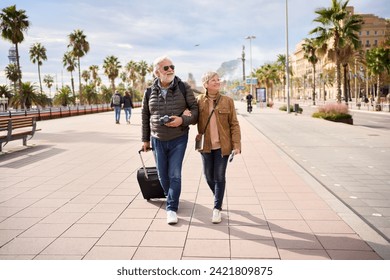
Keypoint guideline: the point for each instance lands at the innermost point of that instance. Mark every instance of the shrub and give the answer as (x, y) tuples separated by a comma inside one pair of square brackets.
[(284, 108), (333, 112)]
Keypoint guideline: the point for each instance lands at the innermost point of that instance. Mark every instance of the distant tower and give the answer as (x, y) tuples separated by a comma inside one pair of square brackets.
[(12, 55), (243, 63)]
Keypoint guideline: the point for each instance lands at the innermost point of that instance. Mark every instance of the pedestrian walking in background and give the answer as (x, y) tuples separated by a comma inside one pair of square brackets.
[(222, 137), (127, 106), (165, 128), (116, 103)]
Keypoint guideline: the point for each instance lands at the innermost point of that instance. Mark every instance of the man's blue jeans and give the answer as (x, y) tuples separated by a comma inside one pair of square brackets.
[(214, 169), (117, 113), (169, 160)]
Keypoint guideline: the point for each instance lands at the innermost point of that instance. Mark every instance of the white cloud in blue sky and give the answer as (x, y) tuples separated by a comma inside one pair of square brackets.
[(144, 29)]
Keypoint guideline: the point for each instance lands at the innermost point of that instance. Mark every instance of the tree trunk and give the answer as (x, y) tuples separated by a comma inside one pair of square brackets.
[(80, 86), (314, 84), (378, 95), (345, 84), (39, 76), (72, 83)]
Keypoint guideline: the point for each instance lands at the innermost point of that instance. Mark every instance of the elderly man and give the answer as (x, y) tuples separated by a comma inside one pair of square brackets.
[(168, 108)]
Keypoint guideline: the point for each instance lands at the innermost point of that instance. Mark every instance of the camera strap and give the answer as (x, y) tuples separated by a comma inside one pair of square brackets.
[(208, 120)]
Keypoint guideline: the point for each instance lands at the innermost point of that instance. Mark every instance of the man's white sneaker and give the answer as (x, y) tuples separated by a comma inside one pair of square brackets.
[(171, 217), (216, 216)]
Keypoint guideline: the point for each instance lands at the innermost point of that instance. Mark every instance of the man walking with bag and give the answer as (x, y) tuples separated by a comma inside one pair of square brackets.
[(165, 128), (116, 103)]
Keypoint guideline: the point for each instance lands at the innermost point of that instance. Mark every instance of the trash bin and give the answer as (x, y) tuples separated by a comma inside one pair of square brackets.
[(296, 108)]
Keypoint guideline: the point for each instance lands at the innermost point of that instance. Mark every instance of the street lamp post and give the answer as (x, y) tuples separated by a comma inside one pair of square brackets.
[(250, 53), (243, 63), (287, 64)]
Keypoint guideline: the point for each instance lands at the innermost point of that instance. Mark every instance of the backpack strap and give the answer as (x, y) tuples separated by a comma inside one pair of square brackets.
[(182, 88)]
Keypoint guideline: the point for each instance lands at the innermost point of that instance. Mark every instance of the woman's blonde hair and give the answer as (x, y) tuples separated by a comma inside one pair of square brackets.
[(208, 76)]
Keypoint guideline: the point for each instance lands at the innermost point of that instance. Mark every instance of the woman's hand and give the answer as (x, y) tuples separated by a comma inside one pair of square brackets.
[(187, 113)]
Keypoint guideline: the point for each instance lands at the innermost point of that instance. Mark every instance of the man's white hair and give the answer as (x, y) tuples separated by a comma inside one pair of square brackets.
[(157, 62)]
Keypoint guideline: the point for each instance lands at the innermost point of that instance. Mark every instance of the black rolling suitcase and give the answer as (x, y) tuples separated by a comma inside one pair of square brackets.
[(148, 181)]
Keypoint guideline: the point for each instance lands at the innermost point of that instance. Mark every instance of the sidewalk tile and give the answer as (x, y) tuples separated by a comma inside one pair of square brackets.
[(121, 238), (302, 254), (254, 249), (158, 253), (25, 246), (110, 253), (207, 248), (164, 239), (70, 246)]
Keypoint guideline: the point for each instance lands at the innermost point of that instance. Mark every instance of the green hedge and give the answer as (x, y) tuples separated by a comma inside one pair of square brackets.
[(284, 108), (332, 116)]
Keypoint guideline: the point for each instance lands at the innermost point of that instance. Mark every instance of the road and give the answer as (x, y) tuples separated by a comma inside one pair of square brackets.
[(350, 161)]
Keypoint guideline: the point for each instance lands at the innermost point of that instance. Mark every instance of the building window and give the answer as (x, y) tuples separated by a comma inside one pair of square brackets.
[(368, 32), (376, 32)]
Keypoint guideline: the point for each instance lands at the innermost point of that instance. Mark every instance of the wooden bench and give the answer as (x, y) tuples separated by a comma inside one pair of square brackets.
[(17, 128)]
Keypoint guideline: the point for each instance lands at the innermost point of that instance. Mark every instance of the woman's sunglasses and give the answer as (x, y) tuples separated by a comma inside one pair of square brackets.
[(167, 67)]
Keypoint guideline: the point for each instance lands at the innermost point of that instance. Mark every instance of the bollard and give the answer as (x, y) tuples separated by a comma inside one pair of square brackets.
[(296, 108)]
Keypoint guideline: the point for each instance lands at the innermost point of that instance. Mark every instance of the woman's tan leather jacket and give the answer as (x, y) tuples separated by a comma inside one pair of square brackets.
[(227, 123)]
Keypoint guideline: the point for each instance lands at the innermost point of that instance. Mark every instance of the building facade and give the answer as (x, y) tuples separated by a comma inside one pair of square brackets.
[(373, 34)]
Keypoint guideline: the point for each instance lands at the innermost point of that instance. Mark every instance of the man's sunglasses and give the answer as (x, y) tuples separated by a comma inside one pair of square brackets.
[(167, 67)]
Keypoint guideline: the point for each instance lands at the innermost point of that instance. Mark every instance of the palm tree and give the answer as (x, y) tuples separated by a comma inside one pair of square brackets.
[(90, 94), (80, 47), (48, 80), (378, 61), (338, 28), (143, 70), (13, 23), (29, 96), (106, 94), (131, 70), (37, 54), (63, 97), (69, 61), (12, 74), (94, 74), (86, 75), (268, 75), (111, 66), (309, 47), (281, 63)]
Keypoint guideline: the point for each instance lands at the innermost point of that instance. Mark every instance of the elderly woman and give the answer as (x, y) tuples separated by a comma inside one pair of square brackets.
[(222, 137)]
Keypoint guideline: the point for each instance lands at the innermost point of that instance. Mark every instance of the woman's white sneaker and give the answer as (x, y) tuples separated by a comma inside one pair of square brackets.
[(171, 217), (217, 218)]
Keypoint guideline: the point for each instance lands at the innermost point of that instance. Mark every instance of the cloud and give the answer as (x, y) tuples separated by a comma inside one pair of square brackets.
[(142, 30)]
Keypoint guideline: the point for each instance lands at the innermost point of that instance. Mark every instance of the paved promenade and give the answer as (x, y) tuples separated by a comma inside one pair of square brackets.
[(73, 194)]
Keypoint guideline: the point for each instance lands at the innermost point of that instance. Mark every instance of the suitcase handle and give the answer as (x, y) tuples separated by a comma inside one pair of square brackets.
[(143, 164)]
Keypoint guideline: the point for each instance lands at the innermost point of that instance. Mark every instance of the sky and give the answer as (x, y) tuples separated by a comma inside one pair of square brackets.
[(199, 35)]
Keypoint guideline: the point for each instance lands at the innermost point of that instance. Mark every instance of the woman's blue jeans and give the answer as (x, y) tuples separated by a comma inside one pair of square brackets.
[(128, 113), (169, 161), (214, 169)]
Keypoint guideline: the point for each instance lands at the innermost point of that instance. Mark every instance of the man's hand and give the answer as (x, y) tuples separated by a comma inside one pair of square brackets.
[(146, 146), (175, 121)]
